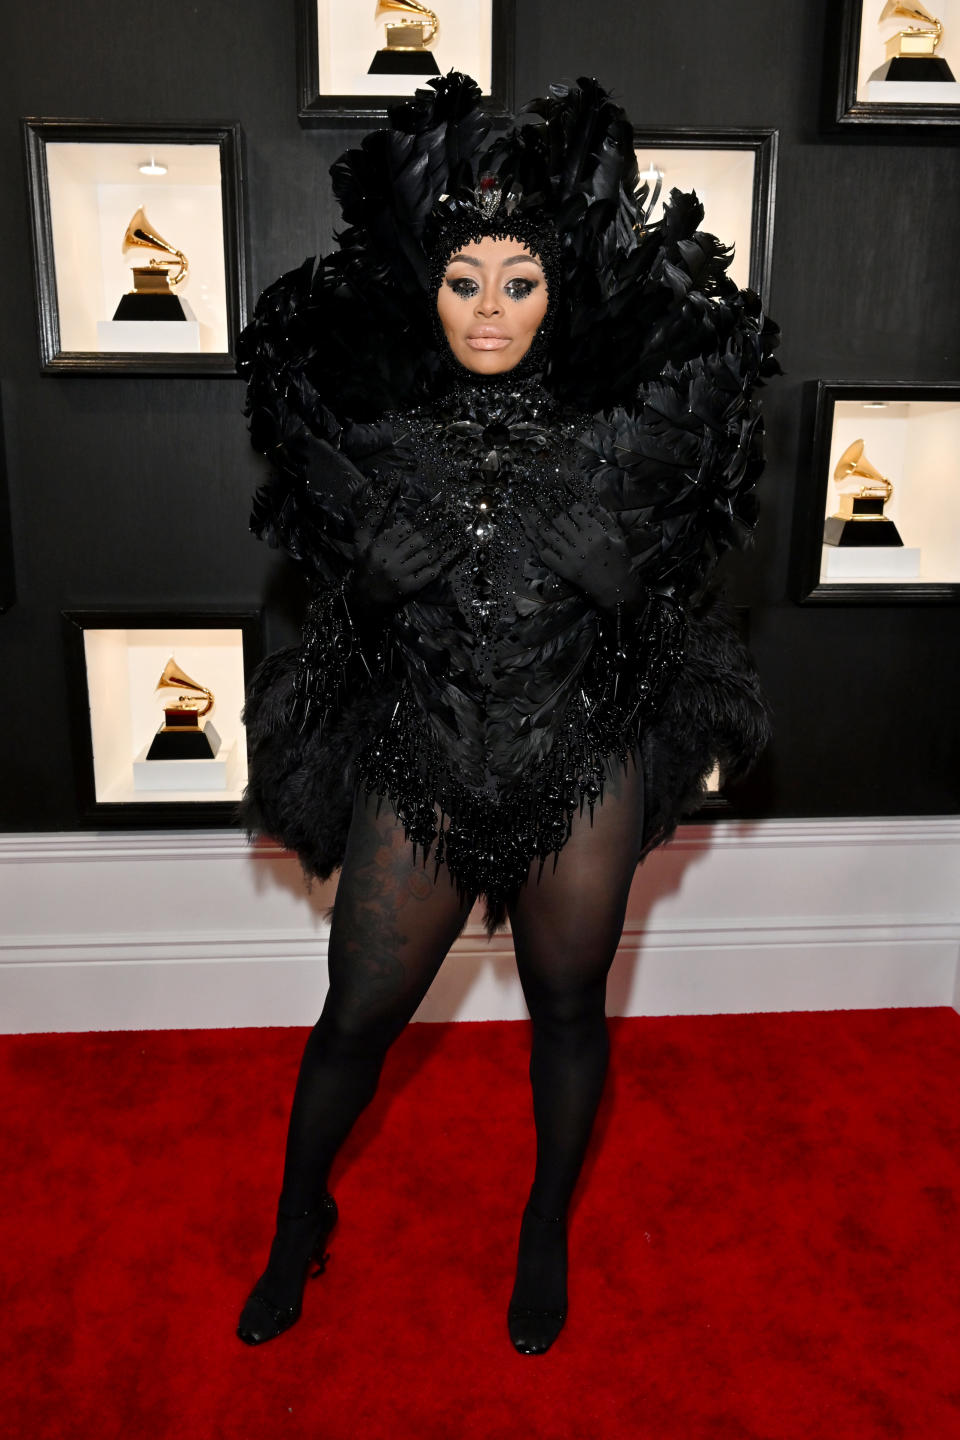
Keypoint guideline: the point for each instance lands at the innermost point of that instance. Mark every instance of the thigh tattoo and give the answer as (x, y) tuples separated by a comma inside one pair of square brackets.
[(382, 903)]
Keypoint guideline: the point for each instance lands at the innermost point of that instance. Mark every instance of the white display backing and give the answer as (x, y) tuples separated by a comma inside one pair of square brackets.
[(95, 189), (126, 710), (873, 54), (916, 444), (348, 37), (724, 181)]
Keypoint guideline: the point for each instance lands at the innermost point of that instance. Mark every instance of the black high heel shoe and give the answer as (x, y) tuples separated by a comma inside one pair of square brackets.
[(262, 1318), (533, 1329)]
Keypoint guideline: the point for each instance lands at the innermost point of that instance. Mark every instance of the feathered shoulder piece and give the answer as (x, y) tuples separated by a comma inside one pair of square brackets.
[(680, 465), (356, 334), (353, 335)]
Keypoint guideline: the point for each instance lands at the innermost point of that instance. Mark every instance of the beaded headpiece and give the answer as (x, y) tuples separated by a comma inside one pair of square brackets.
[(487, 210)]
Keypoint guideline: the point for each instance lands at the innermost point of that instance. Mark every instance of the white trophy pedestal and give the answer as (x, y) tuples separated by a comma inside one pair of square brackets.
[(188, 775), (153, 337), (158, 337), (914, 92), (870, 562)]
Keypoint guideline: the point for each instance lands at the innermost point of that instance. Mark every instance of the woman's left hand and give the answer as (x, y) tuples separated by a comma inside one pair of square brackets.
[(587, 548)]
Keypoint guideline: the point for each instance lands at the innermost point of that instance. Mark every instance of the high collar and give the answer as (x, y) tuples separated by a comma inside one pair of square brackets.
[(516, 388)]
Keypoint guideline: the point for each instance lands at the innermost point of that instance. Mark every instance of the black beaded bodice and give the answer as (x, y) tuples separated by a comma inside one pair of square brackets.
[(487, 458), (510, 691)]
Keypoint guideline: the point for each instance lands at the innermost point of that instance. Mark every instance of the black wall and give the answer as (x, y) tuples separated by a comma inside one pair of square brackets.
[(135, 491)]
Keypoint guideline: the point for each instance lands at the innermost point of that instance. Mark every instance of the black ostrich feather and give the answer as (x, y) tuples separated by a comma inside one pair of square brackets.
[(388, 187)]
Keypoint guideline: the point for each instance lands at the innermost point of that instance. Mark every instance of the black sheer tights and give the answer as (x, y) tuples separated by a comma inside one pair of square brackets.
[(393, 923), (566, 928)]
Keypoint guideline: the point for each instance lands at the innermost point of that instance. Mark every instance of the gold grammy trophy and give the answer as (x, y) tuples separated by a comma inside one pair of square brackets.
[(911, 52), (152, 296), (407, 50), (863, 493), (185, 734)]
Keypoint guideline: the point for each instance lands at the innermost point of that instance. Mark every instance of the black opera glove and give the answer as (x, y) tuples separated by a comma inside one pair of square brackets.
[(586, 547)]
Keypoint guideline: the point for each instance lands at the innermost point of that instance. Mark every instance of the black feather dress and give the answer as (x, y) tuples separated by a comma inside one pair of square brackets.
[(489, 707)]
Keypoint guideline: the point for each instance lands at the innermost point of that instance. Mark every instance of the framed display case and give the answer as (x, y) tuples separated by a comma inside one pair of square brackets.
[(155, 713), (898, 63), (734, 174), (355, 59), (716, 802), (878, 518), (8, 586), (138, 246)]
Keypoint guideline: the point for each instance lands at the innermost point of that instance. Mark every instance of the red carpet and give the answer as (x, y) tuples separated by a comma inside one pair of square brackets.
[(766, 1244)]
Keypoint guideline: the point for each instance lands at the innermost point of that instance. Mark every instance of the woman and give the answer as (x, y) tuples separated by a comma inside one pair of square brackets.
[(511, 431)]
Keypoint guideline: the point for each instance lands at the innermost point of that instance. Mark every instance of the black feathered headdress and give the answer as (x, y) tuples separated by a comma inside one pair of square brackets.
[(357, 334)]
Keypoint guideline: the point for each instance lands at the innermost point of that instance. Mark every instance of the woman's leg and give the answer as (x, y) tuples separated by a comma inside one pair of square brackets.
[(393, 923), (566, 928)]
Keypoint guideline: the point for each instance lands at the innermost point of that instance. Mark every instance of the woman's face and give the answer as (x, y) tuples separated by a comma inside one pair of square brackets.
[(491, 301)]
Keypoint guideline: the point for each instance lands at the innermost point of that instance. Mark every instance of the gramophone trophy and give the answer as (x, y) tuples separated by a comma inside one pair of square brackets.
[(911, 51), (152, 296), (184, 735), (407, 50), (863, 493)]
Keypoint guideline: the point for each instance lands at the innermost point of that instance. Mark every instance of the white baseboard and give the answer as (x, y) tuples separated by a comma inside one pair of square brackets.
[(196, 929)]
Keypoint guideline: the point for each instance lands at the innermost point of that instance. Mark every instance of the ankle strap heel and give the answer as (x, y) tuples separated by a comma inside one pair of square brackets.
[(262, 1317)]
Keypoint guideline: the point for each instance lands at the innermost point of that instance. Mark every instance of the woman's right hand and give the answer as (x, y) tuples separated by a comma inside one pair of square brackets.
[(396, 562)]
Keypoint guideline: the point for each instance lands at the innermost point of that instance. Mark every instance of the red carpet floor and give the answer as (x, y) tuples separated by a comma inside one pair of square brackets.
[(765, 1246)]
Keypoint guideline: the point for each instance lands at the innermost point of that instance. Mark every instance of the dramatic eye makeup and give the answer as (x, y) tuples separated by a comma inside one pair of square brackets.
[(520, 287), (517, 288)]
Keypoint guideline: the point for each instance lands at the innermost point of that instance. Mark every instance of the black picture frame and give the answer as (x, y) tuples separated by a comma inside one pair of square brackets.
[(8, 579), (38, 133), (849, 111), (808, 589), (315, 109), (143, 814), (763, 143)]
